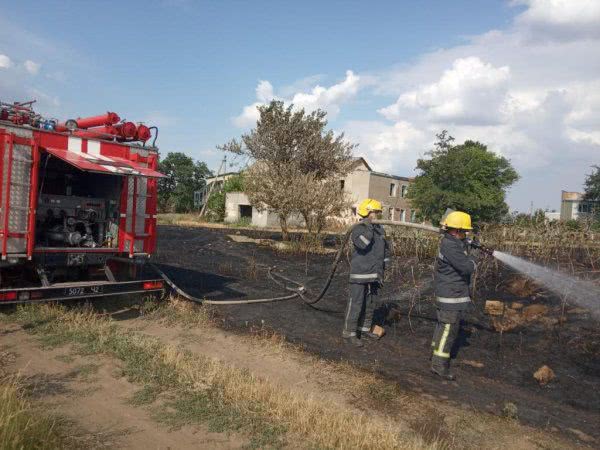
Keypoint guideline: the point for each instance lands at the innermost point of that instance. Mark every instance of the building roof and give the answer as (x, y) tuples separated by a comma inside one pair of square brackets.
[(358, 160), (393, 177)]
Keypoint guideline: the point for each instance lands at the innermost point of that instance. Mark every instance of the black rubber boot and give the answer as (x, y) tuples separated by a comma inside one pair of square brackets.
[(443, 371), (354, 341)]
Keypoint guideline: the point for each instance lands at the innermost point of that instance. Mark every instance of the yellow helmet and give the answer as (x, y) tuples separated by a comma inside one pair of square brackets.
[(457, 219), (368, 205)]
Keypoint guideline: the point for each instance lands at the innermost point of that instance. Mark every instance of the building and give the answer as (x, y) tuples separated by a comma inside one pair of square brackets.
[(552, 215), (213, 184), (391, 190), (238, 209), (362, 182), (573, 206)]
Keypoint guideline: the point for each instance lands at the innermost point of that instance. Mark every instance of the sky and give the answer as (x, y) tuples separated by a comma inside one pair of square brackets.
[(522, 76)]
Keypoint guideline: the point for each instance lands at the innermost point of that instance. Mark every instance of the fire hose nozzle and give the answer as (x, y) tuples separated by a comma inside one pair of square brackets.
[(474, 243)]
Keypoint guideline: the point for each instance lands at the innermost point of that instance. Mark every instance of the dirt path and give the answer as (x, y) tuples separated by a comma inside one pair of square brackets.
[(207, 264), (95, 400)]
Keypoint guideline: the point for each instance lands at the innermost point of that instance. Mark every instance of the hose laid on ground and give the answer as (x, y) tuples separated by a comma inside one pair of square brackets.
[(299, 290), (220, 302)]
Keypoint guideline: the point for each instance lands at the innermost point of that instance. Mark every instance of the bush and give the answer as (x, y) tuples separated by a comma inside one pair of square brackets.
[(215, 208), (573, 225)]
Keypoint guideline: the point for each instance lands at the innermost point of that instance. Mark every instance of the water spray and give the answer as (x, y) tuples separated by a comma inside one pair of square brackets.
[(585, 293)]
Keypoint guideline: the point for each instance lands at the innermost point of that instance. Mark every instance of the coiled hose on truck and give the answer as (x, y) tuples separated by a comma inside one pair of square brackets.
[(296, 288)]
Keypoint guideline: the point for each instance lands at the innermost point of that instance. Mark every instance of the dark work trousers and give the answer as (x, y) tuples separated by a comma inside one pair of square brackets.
[(361, 304), (444, 336)]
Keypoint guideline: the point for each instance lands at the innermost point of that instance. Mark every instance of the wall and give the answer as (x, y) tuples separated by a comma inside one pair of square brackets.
[(260, 219), (379, 189)]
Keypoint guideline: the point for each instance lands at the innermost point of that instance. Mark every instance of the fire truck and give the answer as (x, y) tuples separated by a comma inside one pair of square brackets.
[(78, 204)]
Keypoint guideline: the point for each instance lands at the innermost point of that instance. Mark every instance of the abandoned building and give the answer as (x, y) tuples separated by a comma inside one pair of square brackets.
[(573, 206), (362, 182)]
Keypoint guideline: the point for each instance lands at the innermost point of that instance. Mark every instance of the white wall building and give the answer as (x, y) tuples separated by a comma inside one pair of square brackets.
[(359, 184)]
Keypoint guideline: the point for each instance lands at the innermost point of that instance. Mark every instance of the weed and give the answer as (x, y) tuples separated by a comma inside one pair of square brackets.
[(22, 427), (145, 396), (182, 312), (85, 371)]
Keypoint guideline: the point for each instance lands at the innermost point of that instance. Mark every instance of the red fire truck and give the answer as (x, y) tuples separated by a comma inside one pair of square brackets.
[(77, 207)]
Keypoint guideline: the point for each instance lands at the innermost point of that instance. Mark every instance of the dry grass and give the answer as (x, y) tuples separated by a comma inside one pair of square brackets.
[(21, 426), (435, 424), (235, 397)]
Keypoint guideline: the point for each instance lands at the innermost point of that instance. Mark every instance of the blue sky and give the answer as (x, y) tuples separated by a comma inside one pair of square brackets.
[(390, 74)]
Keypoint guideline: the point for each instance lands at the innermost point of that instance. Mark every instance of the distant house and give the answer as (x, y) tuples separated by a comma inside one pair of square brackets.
[(573, 206), (391, 190), (361, 183)]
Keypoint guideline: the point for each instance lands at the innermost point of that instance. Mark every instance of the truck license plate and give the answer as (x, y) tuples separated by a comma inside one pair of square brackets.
[(83, 291)]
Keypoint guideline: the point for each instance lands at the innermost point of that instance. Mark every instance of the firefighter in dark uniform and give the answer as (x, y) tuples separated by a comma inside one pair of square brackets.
[(453, 273), (369, 255)]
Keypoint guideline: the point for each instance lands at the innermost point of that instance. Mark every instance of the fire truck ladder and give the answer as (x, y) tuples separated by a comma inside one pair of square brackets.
[(19, 159)]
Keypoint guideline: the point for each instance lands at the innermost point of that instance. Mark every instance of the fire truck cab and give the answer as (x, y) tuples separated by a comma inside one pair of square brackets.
[(77, 213)]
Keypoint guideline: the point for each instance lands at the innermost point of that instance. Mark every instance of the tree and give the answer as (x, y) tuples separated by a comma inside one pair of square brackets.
[(183, 178), (272, 190), (592, 185), (317, 200), (215, 208), (592, 192), (296, 164), (465, 177)]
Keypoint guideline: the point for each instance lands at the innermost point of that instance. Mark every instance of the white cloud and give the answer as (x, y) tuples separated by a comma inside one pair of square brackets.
[(264, 91), (560, 19), (5, 62), (388, 148), (530, 92), (32, 67), (470, 91), (326, 98)]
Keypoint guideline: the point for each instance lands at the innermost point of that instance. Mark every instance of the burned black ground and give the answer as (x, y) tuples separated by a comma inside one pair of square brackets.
[(207, 264)]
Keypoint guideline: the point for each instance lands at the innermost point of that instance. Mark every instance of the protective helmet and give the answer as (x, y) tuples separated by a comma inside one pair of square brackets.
[(458, 220), (368, 205)]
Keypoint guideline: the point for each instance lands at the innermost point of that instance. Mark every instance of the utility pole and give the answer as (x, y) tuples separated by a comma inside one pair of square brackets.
[(222, 167)]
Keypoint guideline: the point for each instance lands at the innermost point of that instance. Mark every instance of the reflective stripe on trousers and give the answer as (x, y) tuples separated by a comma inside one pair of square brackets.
[(359, 311), (445, 334), (453, 300)]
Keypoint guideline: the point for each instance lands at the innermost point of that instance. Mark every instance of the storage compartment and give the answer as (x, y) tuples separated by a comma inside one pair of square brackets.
[(76, 208)]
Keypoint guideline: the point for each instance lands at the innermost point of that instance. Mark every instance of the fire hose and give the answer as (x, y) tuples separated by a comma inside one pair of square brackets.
[(297, 289)]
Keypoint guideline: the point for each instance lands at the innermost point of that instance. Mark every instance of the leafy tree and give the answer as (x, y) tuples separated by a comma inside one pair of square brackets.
[(592, 185), (296, 163), (215, 209), (183, 178), (592, 193), (466, 177)]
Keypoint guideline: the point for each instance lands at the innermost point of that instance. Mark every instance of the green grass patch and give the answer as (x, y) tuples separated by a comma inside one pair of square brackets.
[(146, 396)]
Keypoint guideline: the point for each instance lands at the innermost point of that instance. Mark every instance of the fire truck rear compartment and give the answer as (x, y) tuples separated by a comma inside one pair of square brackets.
[(76, 209)]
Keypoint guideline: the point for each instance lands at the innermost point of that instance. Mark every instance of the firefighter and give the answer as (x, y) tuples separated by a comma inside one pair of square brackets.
[(452, 279), (369, 255)]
